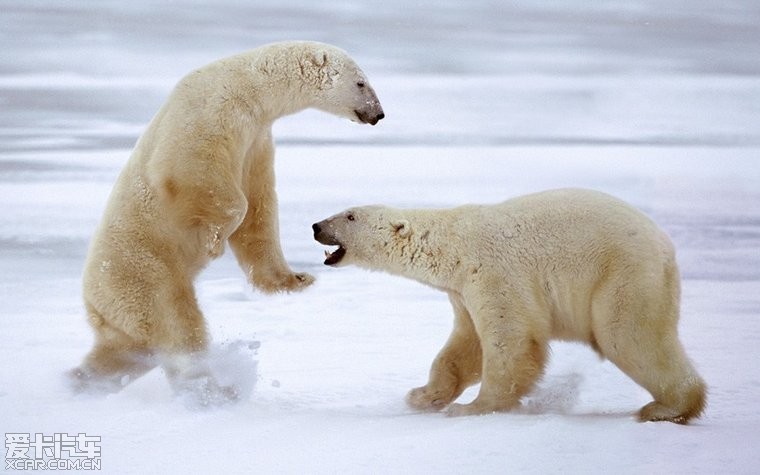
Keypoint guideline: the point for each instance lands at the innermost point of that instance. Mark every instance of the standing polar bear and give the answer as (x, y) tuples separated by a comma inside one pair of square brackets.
[(200, 175), (566, 264)]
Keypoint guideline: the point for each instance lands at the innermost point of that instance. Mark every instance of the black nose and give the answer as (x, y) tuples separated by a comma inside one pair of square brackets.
[(316, 229), (379, 117)]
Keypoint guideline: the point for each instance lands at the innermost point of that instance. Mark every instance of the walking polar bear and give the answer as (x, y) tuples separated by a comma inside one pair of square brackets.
[(566, 264), (200, 175)]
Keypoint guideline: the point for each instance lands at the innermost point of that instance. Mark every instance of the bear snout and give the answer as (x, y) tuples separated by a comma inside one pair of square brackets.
[(331, 258), (321, 236), (370, 118)]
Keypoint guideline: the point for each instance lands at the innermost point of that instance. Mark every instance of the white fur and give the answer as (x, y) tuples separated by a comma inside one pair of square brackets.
[(566, 264), (200, 175)]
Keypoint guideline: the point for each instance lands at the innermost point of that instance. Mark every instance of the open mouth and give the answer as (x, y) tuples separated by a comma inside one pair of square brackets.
[(332, 258), (323, 236)]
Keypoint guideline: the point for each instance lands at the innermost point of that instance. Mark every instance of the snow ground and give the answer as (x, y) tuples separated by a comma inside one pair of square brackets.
[(657, 103)]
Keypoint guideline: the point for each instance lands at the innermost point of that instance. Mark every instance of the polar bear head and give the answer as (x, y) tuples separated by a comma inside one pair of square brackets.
[(420, 244), (336, 84), (370, 236)]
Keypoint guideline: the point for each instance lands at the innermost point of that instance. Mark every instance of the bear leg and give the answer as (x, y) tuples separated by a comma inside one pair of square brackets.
[(662, 368), (514, 357), (181, 344), (116, 360), (192, 380), (643, 343), (456, 367), (256, 243), (506, 378), (108, 369)]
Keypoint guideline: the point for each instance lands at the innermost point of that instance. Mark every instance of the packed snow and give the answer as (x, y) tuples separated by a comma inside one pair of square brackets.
[(657, 103)]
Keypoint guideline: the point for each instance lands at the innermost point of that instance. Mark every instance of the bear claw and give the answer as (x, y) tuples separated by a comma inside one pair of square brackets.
[(292, 282)]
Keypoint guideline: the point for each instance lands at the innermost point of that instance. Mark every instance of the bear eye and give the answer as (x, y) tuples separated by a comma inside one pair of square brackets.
[(360, 84), (350, 216)]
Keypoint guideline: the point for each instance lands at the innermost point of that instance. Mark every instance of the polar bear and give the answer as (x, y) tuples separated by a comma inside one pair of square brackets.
[(565, 264), (202, 174)]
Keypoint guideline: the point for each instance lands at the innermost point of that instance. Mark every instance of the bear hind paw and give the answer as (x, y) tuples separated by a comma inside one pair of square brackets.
[(657, 412)]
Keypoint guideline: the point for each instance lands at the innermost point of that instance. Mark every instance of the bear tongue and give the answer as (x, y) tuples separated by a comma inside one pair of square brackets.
[(335, 256)]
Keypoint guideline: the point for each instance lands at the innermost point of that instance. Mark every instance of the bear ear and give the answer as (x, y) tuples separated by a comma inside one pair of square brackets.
[(318, 68), (319, 58), (402, 227)]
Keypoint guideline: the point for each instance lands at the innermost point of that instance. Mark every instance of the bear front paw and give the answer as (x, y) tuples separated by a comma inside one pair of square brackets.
[(458, 410), (479, 407), (291, 282), (423, 400)]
